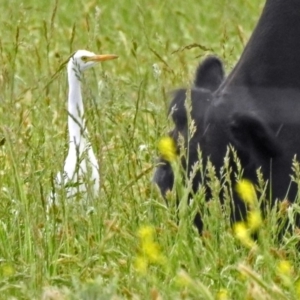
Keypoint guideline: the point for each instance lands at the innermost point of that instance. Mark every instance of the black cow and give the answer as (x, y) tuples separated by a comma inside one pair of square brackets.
[(256, 109)]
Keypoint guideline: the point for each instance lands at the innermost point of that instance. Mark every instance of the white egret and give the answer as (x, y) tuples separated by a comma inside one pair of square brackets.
[(81, 166)]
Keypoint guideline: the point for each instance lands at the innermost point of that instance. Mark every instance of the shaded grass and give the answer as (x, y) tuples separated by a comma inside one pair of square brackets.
[(92, 256)]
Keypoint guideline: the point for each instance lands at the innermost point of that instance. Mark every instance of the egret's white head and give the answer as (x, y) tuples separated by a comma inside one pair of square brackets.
[(82, 60)]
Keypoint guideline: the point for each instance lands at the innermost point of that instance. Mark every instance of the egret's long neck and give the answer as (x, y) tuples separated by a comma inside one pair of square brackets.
[(76, 123)]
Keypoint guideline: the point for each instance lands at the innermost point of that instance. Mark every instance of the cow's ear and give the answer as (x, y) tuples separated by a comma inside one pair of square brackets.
[(250, 132), (209, 74)]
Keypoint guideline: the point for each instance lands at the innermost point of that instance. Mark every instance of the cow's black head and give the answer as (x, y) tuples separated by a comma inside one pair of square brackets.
[(209, 76), (256, 109)]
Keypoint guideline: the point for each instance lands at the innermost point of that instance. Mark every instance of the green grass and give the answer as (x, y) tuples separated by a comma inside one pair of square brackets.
[(75, 255)]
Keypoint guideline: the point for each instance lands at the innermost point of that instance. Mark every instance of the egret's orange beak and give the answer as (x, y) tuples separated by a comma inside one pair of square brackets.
[(102, 57)]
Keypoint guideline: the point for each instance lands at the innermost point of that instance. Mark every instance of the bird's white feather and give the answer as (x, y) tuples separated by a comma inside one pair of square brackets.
[(81, 170)]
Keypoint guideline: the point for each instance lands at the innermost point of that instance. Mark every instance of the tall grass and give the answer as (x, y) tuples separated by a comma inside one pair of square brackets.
[(74, 254)]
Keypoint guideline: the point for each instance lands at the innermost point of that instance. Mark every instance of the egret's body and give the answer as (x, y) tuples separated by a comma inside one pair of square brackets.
[(81, 169)]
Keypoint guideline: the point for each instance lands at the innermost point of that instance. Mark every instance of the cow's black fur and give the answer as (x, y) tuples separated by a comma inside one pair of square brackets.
[(256, 108), (209, 76)]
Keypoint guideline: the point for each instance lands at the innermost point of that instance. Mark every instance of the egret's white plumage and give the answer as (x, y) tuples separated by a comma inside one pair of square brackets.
[(81, 165)]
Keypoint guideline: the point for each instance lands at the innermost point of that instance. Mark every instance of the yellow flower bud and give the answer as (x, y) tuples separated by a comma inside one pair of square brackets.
[(167, 148), (254, 220), (246, 191), (242, 233), (284, 267)]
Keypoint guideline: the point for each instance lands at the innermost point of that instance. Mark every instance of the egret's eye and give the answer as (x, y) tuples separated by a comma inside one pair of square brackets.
[(84, 58)]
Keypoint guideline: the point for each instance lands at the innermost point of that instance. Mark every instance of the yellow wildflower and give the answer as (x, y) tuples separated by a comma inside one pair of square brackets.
[(254, 220), (146, 233), (141, 264), (284, 267), (242, 233), (222, 295), (285, 270), (149, 250), (167, 148), (246, 191)]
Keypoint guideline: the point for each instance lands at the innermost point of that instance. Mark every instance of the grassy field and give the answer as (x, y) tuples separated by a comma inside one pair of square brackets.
[(132, 245)]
